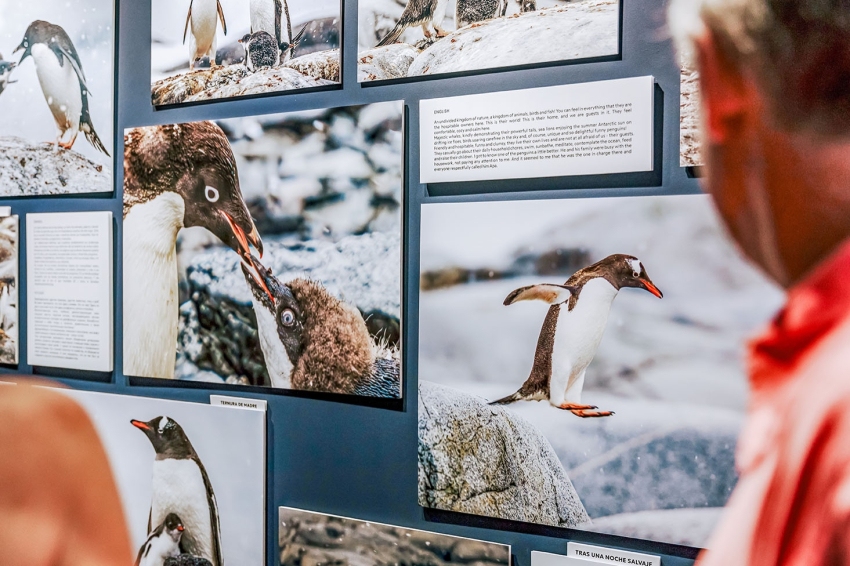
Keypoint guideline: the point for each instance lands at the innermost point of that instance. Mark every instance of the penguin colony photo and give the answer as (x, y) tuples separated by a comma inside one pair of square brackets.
[(55, 84), (185, 197), (548, 316)]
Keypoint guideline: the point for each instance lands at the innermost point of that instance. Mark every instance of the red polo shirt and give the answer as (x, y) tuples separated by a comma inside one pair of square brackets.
[(792, 503)]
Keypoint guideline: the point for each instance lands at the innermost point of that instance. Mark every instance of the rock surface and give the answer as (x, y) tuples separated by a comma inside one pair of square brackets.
[(388, 62), (319, 65), (479, 459), (579, 30), (229, 81), (307, 538), (690, 153), (32, 170), (218, 328)]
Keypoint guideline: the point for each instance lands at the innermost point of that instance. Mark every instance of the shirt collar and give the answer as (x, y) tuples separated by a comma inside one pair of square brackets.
[(814, 307)]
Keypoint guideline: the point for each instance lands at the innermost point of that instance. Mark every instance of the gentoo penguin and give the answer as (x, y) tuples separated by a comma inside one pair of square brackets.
[(419, 12), (202, 19), (573, 329), (163, 542), (261, 50), (63, 83), (6, 68), (313, 341), (272, 17), (181, 486), (174, 176)]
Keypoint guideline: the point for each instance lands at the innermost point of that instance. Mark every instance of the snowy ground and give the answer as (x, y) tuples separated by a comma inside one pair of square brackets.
[(671, 369)]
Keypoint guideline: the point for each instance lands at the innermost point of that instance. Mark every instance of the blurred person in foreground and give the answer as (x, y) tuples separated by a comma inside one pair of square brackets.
[(59, 505), (775, 87)]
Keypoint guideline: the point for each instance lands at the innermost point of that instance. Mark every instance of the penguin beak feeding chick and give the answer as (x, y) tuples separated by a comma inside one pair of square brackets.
[(573, 329), (313, 341)]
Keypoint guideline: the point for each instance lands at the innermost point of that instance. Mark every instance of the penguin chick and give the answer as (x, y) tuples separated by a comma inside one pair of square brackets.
[(419, 12), (63, 83), (6, 68), (186, 560), (287, 50), (175, 176), (202, 19), (162, 543), (261, 50), (313, 341), (181, 486), (573, 329), (272, 16)]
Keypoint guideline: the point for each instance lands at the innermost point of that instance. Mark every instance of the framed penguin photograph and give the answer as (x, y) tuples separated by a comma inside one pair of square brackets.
[(409, 39), (265, 251), (56, 97), (204, 50), (593, 347)]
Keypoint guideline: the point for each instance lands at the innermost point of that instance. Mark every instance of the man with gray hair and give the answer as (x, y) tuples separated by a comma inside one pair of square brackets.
[(775, 90)]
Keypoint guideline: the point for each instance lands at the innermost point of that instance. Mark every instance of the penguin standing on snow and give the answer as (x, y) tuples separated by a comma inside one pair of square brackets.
[(174, 176), (63, 83), (315, 342), (162, 543), (202, 20), (6, 68), (419, 12), (272, 17), (181, 486), (573, 329)]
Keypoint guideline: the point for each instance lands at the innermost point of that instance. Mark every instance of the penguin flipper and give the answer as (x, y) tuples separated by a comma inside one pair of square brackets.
[(298, 37), (221, 17), (188, 17), (214, 524), (278, 13), (288, 21), (74, 60), (546, 292)]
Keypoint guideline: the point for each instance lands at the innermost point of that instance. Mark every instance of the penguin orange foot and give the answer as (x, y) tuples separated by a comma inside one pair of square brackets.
[(574, 407), (589, 414)]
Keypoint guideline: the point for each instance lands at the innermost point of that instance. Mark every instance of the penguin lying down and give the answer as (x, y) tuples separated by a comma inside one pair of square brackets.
[(313, 341)]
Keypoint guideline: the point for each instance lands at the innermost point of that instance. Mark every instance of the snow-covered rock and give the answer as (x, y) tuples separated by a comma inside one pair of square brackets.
[(40, 169), (578, 30), (689, 527), (229, 81), (319, 65), (388, 62), (484, 460)]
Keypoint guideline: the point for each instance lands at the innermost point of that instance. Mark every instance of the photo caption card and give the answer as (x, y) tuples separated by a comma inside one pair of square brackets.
[(580, 129)]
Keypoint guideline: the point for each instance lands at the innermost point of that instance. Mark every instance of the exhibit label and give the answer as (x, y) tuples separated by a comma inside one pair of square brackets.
[(580, 129), (69, 282), (238, 402), (605, 555)]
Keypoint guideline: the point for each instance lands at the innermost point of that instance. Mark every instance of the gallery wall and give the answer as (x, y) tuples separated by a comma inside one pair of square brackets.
[(360, 461)]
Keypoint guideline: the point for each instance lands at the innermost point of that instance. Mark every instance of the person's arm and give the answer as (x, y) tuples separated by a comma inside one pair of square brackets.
[(58, 502)]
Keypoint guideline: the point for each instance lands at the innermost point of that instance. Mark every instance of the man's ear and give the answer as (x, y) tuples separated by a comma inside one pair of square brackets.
[(724, 90)]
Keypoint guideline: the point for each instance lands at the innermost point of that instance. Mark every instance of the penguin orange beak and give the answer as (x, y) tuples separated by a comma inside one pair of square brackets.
[(252, 267), (140, 425), (253, 237), (650, 286), (180, 528)]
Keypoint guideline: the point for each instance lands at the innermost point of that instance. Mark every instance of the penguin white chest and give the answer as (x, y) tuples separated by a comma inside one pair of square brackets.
[(158, 550), (178, 487), (204, 21), (262, 17), (60, 86), (277, 360), (578, 334)]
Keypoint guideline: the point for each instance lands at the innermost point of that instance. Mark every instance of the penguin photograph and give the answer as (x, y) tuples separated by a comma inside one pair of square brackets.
[(266, 251), (606, 332), (214, 49), (191, 477), (56, 98), (308, 537), (9, 289), (400, 39)]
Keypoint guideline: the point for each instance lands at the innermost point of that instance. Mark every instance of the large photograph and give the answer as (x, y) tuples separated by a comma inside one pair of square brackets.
[(191, 477), (593, 348), (414, 38), (56, 97), (213, 49), (9, 290), (307, 537), (266, 251)]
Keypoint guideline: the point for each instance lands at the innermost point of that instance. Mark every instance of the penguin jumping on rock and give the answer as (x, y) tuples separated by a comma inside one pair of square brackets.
[(181, 486), (419, 12), (573, 329), (63, 83)]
